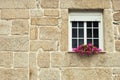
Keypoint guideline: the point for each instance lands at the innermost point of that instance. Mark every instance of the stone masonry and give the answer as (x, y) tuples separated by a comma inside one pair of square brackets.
[(34, 41)]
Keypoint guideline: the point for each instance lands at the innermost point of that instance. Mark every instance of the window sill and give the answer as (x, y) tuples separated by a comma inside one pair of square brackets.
[(103, 52)]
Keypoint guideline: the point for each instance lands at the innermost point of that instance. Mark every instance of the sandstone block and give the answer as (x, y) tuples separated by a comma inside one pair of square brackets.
[(45, 21), (116, 16), (33, 33), (43, 60), (5, 27), (49, 74), (47, 33), (116, 78), (17, 3), (116, 32), (20, 60), (36, 13), (86, 74), (6, 59), (51, 12), (116, 4), (49, 3), (13, 74), (64, 14), (14, 44), (85, 4), (116, 71), (20, 27), (45, 45), (14, 13), (117, 45)]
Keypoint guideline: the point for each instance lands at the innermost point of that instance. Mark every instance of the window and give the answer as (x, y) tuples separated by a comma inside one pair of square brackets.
[(85, 27)]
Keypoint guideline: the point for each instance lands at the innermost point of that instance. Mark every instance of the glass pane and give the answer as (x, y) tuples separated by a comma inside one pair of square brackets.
[(89, 24), (89, 33), (95, 33), (95, 24), (96, 43), (74, 43), (89, 41), (74, 32), (81, 33), (81, 24), (74, 23), (81, 41)]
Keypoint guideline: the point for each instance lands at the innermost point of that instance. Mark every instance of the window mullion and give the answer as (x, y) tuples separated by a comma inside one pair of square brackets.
[(85, 32)]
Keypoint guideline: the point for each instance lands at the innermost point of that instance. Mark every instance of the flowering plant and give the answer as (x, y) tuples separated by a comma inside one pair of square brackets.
[(88, 49)]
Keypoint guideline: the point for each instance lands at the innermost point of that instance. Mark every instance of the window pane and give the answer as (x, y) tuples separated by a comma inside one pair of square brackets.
[(95, 24), (74, 23), (96, 43), (74, 43), (89, 24), (81, 33), (81, 24), (74, 32), (89, 33), (89, 41), (95, 33), (81, 41)]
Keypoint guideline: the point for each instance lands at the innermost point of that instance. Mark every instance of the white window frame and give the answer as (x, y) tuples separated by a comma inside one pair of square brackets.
[(85, 16)]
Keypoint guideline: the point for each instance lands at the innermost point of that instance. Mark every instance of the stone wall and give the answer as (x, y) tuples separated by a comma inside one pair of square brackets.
[(34, 41)]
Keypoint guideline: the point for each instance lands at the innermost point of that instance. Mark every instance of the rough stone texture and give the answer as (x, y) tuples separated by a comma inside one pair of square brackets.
[(116, 4), (64, 14), (51, 12), (47, 33), (13, 74), (43, 60), (49, 74), (109, 31), (45, 45), (116, 16), (20, 60), (14, 44), (6, 59), (117, 45), (44, 21), (5, 27), (92, 74), (36, 13), (14, 13), (116, 78), (49, 3), (20, 27), (85, 4), (33, 33), (17, 3), (116, 71), (33, 66), (116, 32)]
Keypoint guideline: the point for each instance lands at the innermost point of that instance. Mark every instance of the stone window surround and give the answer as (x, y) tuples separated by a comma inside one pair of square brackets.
[(108, 36)]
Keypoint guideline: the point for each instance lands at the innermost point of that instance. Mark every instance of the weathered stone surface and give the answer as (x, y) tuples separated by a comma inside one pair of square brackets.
[(85, 4), (116, 16), (45, 21), (116, 32), (14, 13), (43, 60), (49, 33), (64, 36), (5, 27), (109, 31), (45, 45), (51, 12), (33, 33), (20, 60), (116, 78), (116, 72), (116, 4), (20, 27), (36, 13), (86, 74), (33, 66), (14, 44), (13, 74), (6, 59), (17, 3), (50, 3), (64, 14), (117, 45), (49, 74)]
